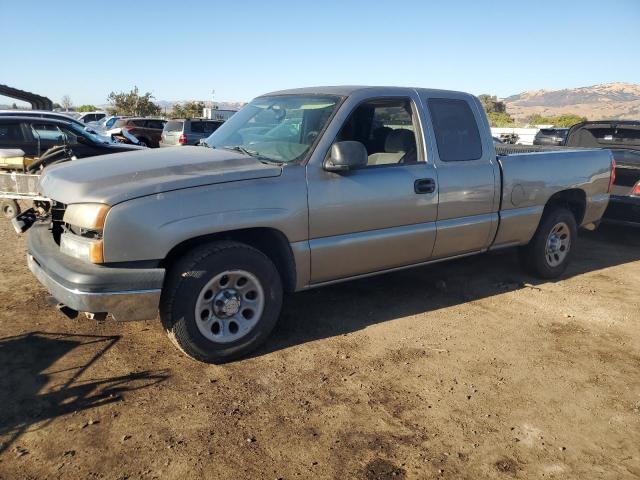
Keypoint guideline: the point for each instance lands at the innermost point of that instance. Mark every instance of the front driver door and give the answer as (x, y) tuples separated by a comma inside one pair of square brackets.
[(380, 216)]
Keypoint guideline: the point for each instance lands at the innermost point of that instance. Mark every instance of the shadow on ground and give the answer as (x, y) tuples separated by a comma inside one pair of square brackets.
[(37, 384), (351, 306)]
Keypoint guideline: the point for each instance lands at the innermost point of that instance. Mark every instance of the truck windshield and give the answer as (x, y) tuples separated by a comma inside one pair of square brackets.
[(280, 128)]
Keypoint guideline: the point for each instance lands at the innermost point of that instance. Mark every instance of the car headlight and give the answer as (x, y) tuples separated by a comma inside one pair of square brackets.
[(83, 236), (90, 216)]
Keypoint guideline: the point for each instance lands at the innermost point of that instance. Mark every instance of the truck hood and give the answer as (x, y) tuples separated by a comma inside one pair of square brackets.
[(115, 178)]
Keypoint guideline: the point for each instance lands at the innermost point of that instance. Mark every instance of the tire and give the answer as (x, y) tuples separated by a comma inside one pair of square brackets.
[(10, 209), (213, 319), (550, 250)]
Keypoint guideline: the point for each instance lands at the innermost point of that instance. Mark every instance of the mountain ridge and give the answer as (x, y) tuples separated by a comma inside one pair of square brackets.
[(616, 100)]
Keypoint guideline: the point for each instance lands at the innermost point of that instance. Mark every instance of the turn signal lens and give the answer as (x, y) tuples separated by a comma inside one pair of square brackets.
[(82, 248)]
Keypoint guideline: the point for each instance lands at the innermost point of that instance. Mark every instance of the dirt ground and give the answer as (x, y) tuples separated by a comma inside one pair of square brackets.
[(469, 369)]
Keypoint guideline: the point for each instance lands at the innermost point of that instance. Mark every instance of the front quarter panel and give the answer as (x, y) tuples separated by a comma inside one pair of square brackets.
[(147, 228)]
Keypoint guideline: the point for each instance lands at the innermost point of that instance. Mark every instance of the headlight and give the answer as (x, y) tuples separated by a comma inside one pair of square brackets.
[(83, 238), (90, 216), (87, 249)]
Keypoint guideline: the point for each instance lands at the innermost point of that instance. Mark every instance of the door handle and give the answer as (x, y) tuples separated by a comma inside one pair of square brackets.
[(424, 185)]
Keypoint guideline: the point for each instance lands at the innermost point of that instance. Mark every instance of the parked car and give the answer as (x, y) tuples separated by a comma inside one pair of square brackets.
[(87, 117), (41, 114), (550, 136), (622, 138), (147, 130), (91, 128), (107, 122), (187, 131), (35, 136), (300, 189)]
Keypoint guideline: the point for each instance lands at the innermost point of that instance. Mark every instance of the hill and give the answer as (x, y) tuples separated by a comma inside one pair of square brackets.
[(609, 100)]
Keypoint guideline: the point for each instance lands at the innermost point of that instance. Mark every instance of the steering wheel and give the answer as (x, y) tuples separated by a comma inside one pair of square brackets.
[(311, 136)]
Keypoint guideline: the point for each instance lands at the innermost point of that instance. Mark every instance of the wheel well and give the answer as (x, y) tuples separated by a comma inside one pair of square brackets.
[(273, 243), (575, 200)]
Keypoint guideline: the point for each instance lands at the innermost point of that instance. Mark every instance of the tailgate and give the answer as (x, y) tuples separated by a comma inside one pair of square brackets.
[(172, 131)]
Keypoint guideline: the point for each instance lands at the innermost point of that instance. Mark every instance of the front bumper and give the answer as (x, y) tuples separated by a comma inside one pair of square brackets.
[(128, 293), (623, 210)]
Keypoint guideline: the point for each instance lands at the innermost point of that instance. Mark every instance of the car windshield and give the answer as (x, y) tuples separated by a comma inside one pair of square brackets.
[(81, 132), (279, 128)]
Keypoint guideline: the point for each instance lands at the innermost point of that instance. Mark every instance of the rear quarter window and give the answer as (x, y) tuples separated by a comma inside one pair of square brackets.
[(210, 127), (197, 127), (10, 132), (158, 124), (456, 130)]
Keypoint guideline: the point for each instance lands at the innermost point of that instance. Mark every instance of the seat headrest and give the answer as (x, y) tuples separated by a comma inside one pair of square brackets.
[(400, 140)]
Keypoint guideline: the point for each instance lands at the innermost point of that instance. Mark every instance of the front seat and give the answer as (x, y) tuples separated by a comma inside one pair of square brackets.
[(399, 147)]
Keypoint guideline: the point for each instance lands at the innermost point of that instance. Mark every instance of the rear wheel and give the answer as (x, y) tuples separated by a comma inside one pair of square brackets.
[(10, 208), (549, 252), (220, 301)]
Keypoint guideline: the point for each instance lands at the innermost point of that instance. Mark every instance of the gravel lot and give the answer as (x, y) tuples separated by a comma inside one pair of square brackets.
[(468, 369)]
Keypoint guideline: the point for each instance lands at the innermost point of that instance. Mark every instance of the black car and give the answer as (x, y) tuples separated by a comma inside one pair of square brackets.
[(551, 136), (41, 114), (623, 139), (35, 136)]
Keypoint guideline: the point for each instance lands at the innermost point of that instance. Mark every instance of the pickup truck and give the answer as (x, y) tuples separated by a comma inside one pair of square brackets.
[(622, 138), (301, 188)]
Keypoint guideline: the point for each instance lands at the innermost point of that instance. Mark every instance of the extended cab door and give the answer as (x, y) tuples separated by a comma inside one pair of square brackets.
[(379, 216), (468, 174)]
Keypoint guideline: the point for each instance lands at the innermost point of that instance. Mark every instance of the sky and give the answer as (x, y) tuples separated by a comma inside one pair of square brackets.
[(182, 50)]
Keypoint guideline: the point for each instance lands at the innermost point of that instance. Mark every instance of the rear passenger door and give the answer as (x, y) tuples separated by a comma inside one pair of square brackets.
[(468, 175)]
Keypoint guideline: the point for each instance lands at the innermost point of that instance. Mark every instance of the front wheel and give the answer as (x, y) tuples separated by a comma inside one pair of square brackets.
[(549, 252), (220, 301)]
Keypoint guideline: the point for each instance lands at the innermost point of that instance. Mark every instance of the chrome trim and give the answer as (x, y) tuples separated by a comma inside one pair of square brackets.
[(123, 305)]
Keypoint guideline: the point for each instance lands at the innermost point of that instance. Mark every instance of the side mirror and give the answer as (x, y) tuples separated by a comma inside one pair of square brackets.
[(346, 156)]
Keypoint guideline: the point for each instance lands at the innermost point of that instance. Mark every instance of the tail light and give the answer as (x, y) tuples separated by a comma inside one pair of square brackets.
[(636, 190), (182, 139), (612, 179)]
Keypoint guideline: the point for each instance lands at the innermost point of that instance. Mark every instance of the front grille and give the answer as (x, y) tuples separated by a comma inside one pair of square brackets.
[(57, 223)]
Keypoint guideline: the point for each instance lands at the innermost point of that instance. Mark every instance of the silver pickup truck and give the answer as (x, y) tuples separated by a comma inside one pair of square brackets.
[(301, 188)]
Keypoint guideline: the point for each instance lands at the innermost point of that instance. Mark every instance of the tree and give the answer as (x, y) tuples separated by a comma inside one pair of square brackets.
[(66, 103), (500, 119), (188, 110), (562, 121), (14, 106), (496, 111), (86, 108), (132, 103)]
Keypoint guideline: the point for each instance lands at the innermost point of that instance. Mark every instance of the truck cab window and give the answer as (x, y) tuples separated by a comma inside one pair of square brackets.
[(456, 130), (386, 128)]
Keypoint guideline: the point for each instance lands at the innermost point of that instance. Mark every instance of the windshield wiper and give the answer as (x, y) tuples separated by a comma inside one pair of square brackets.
[(254, 154), (241, 149)]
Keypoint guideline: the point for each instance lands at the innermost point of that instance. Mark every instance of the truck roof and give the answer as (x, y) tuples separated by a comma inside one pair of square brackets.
[(345, 90)]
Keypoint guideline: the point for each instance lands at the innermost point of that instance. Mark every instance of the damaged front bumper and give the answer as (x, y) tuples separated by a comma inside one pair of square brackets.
[(127, 292)]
